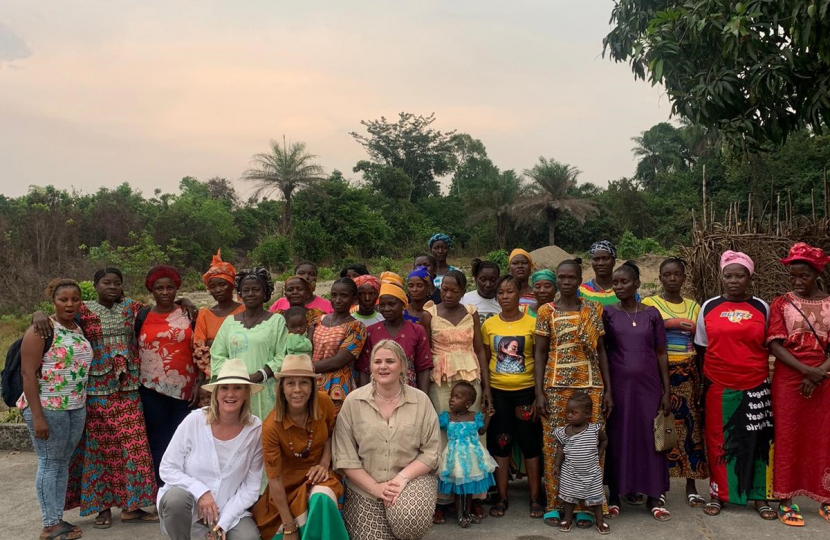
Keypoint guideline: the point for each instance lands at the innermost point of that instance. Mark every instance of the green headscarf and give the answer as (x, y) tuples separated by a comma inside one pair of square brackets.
[(543, 275)]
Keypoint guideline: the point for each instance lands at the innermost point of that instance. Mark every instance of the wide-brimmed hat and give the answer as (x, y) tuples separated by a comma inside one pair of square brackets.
[(233, 372), (296, 365)]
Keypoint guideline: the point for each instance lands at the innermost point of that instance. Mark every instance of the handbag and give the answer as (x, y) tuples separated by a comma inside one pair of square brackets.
[(665, 432)]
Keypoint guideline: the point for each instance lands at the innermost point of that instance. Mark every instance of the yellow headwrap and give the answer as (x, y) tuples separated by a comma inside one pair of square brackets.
[(392, 278), (394, 290), (520, 251)]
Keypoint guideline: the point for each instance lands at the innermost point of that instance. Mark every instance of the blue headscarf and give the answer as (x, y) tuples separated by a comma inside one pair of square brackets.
[(420, 272), (442, 237)]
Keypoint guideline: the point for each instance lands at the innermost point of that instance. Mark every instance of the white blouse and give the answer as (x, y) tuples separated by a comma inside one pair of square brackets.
[(192, 463)]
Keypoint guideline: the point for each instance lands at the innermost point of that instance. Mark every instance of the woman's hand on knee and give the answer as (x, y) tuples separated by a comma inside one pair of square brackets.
[(208, 510), (317, 474)]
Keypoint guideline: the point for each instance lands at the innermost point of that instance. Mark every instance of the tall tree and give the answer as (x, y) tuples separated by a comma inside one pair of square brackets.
[(412, 145), (488, 193), (550, 198), (285, 169), (661, 150), (755, 70)]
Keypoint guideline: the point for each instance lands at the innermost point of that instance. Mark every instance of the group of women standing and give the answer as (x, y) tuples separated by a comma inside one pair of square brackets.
[(366, 374)]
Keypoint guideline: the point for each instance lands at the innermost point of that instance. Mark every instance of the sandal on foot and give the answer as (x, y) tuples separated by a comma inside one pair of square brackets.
[(660, 513), (477, 510), (634, 499), (613, 511), (768, 513), (565, 526), (464, 521), (70, 525), (103, 521), (62, 532), (712, 508), (824, 511), (788, 515), (498, 509), (695, 500), (438, 517), (537, 509), (603, 528), (142, 517), (552, 518), (584, 520)]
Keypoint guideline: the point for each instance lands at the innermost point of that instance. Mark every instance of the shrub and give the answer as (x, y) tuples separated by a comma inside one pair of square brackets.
[(500, 257), (631, 247), (273, 252), (88, 291)]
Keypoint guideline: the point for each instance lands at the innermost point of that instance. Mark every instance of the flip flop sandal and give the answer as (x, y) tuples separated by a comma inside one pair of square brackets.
[(584, 520), (70, 525), (142, 517), (824, 511), (102, 522), (62, 533), (565, 526), (660, 513), (603, 529), (714, 506), (477, 510), (768, 513), (788, 515), (552, 518), (613, 511), (695, 500)]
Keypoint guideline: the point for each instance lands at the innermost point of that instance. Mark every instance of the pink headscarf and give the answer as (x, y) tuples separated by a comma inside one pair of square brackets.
[(367, 280), (737, 257)]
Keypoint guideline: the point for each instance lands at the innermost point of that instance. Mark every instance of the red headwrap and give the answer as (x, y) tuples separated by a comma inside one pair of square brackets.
[(162, 271), (219, 269), (367, 280), (801, 252)]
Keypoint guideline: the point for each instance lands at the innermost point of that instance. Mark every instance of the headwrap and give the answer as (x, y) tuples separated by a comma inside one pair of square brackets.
[(420, 272), (801, 252), (543, 275), (367, 280), (394, 290), (442, 237), (219, 269), (261, 275), (391, 278), (520, 251), (604, 245), (162, 271), (306, 282), (736, 257)]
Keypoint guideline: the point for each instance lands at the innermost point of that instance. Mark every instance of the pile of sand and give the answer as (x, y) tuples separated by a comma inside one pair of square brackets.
[(549, 257)]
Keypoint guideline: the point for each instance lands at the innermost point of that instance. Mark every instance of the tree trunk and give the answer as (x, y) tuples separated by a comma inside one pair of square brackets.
[(501, 230), (286, 215), (551, 231)]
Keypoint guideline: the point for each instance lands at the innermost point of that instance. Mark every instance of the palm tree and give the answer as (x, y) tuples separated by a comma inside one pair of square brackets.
[(286, 169), (549, 197), (494, 196)]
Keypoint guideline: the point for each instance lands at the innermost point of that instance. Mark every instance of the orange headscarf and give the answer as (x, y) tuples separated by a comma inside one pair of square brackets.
[(393, 290), (391, 278), (219, 269)]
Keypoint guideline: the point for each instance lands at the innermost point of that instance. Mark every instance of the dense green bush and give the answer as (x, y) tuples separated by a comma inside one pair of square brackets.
[(88, 290), (500, 257), (631, 247), (274, 253)]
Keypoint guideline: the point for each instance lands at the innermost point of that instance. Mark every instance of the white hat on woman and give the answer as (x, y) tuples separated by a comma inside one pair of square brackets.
[(233, 372)]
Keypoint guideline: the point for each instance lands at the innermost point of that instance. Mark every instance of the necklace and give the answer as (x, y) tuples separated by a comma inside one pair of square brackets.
[(668, 306), (634, 318), (393, 398), (304, 454)]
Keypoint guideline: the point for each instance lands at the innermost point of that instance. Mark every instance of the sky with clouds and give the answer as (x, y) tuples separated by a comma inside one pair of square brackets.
[(95, 92)]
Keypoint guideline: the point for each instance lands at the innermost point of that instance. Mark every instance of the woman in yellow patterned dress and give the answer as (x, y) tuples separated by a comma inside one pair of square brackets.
[(569, 357)]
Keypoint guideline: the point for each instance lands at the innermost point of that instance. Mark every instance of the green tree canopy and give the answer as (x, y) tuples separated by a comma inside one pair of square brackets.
[(756, 70)]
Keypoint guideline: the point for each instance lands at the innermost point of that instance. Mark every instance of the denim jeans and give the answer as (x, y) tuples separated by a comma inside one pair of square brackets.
[(53, 455)]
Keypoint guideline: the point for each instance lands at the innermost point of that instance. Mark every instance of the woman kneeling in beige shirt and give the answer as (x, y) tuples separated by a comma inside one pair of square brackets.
[(386, 443)]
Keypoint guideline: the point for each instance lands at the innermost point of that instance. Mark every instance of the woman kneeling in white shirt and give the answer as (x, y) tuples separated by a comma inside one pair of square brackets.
[(212, 469)]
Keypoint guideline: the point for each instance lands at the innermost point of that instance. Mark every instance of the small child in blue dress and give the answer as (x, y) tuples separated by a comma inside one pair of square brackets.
[(466, 467), (581, 444)]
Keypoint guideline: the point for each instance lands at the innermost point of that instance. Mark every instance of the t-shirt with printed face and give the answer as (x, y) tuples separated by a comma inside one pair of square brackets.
[(511, 352)]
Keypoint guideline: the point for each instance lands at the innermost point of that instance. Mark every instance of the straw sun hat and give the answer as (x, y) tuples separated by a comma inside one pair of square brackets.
[(296, 365), (233, 372)]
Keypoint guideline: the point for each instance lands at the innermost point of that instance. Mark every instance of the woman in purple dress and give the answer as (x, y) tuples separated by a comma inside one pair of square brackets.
[(635, 340)]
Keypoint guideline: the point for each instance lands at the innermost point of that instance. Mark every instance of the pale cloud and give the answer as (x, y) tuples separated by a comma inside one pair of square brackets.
[(148, 92), (12, 47)]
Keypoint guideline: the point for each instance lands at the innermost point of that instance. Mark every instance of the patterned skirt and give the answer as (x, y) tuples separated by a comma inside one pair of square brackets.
[(557, 404), (410, 518), (739, 441), (688, 459), (112, 466)]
